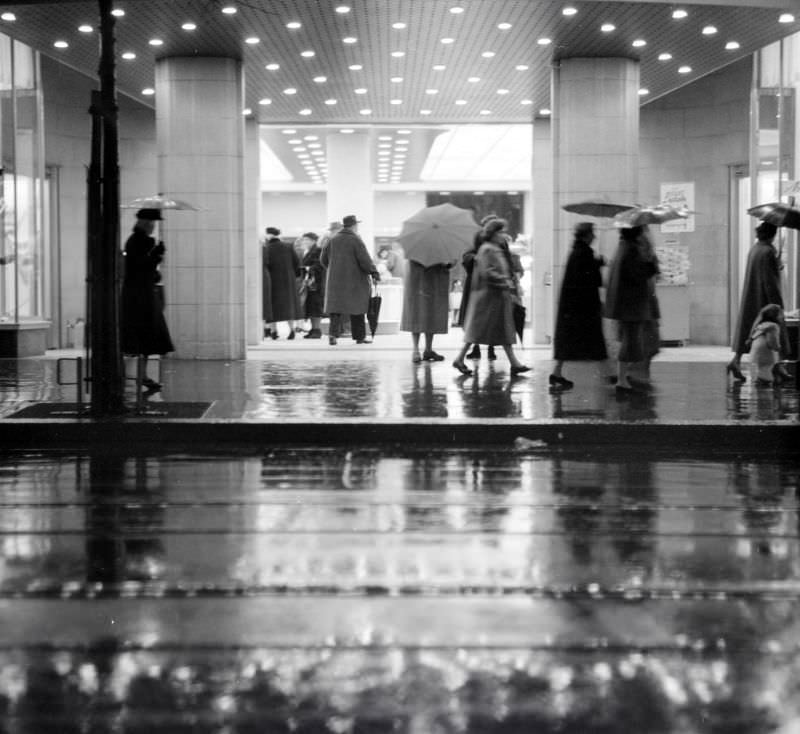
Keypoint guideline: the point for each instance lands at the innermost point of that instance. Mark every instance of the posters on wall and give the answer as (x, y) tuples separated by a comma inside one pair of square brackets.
[(681, 196)]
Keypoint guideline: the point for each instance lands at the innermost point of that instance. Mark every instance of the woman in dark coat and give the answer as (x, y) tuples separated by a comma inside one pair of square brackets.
[(468, 262), (579, 320), (315, 286), (762, 286), (630, 302), (282, 265), (143, 329), (490, 317)]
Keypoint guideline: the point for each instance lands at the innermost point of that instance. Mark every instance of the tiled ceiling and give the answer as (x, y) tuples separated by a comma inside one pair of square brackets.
[(505, 92)]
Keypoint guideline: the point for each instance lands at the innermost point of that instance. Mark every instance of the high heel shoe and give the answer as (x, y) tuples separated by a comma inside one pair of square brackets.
[(491, 355), (475, 353), (432, 357), (519, 369), (462, 368), (733, 369), (561, 382)]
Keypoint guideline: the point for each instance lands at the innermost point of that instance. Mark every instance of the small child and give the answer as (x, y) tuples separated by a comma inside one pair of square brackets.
[(765, 343)]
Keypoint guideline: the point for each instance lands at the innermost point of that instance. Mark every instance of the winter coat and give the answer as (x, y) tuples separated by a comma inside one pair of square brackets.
[(143, 329), (762, 286), (489, 318), (283, 266), (579, 320), (315, 283), (426, 299), (468, 263), (348, 264), (630, 293)]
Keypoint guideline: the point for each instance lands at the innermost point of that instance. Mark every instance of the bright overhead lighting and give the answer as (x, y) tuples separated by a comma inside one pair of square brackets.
[(485, 112), (732, 46), (305, 111), (346, 130), (679, 14), (639, 43), (545, 111), (456, 10), (644, 91), (85, 28), (118, 13), (247, 111), (330, 102), (447, 41), (398, 26), (129, 56), (786, 18), (709, 30), (148, 91), (664, 57), (189, 26), (395, 101), (474, 79), (307, 54), (365, 112), (343, 9), (299, 149), (272, 67), (360, 90), (685, 70), (320, 79), (252, 40), (608, 27), (350, 39), (384, 137), (156, 42), (522, 67), (396, 79), (265, 101), (503, 26), (355, 67), (8, 17), (293, 25), (431, 91), (439, 67), (229, 10), (290, 131), (569, 11), (61, 44), (526, 102), (502, 91), (398, 54), (461, 102), (404, 132), (544, 41), (488, 54), (425, 112), (290, 90)]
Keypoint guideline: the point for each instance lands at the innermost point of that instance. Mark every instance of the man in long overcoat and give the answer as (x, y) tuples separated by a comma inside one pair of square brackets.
[(347, 285), (282, 266)]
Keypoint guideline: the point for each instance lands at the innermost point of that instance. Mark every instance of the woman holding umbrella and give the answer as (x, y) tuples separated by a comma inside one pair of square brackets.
[(426, 306)]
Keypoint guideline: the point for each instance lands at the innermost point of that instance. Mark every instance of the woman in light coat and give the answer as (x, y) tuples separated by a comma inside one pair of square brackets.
[(489, 318)]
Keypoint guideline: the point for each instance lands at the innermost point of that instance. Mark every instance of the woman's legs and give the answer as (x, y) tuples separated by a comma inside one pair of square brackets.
[(458, 362), (429, 355), (415, 355), (516, 365)]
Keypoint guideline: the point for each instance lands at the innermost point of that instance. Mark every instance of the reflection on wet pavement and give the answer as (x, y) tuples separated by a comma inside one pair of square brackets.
[(397, 590)]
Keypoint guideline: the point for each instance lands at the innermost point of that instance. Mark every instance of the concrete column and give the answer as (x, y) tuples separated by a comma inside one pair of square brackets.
[(350, 185), (253, 233), (595, 145), (200, 138), (542, 201)]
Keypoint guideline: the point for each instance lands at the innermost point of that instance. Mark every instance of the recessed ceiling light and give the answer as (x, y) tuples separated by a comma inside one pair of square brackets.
[(156, 42), (639, 43), (350, 39), (305, 111), (299, 149), (502, 91), (644, 91), (786, 18), (148, 91), (252, 40), (544, 41), (293, 25), (522, 67), (384, 137), (398, 54), (330, 102), (8, 17), (404, 132), (396, 79), (343, 9), (229, 10), (265, 101), (398, 26), (360, 90), (61, 44), (448, 41), (488, 54), (608, 27), (485, 112), (679, 14), (664, 57), (461, 102), (366, 111), (347, 130), (526, 101), (732, 46), (474, 79), (709, 30), (355, 67), (307, 54), (503, 26), (290, 90), (189, 26), (118, 13), (425, 112), (289, 131), (129, 56), (85, 28), (545, 111), (247, 111), (395, 101), (456, 10), (431, 91), (439, 67), (320, 79), (685, 70), (272, 67), (569, 11)]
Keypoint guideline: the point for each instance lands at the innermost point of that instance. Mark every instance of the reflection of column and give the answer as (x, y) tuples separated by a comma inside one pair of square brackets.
[(200, 134), (595, 143), (350, 187)]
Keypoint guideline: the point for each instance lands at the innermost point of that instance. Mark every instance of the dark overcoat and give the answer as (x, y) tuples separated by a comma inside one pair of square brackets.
[(629, 296), (283, 266), (579, 319), (348, 264), (143, 329), (489, 318), (315, 280), (762, 286), (468, 263), (426, 299)]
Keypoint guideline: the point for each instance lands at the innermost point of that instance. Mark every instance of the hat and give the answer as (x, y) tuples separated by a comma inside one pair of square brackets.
[(766, 230), (311, 236), (350, 220), (274, 231), (335, 225), (488, 218), (584, 228), (494, 225), (153, 215)]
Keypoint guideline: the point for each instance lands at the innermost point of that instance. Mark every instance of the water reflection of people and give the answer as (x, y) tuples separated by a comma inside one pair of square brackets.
[(424, 399)]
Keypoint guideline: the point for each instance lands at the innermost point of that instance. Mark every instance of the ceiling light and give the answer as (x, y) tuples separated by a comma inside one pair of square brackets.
[(290, 90), (343, 9), (439, 67), (189, 26), (294, 141), (486, 112), (431, 91), (545, 111), (61, 44), (299, 149), (320, 79), (709, 30), (639, 43), (272, 67), (503, 26), (265, 101), (732, 46), (447, 41), (786, 18), (346, 130), (395, 101), (398, 26), (118, 13), (424, 112), (487, 54), (293, 25), (247, 111), (365, 112), (305, 156), (307, 54), (456, 10), (608, 27), (384, 145), (148, 91), (156, 42), (461, 101), (522, 67), (330, 102), (350, 39), (502, 91), (398, 54), (85, 28), (569, 11), (664, 57), (360, 90), (311, 137), (404, 132), (679, 14), (644, 92), (396, 79), (251, 41), (229, 10), (384, 137), (544, 41), (526, 102), (474, 79), (9, 17), (355, 67), (305, 111), (685, 70), (129, 56)]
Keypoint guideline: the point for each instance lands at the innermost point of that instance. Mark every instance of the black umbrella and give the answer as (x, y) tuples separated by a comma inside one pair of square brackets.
[(374, 309), (777, 213), (519, 319)]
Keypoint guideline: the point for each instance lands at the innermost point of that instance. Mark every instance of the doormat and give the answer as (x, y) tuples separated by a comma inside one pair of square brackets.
[(148, 410)]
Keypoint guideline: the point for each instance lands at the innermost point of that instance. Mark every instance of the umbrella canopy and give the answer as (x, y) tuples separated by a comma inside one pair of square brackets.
[(777, 213), (159, 202), (596, 208), (658, 214), (438, 234)]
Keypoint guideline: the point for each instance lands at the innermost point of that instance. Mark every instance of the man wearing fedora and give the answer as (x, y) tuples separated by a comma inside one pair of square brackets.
[(347, 284)]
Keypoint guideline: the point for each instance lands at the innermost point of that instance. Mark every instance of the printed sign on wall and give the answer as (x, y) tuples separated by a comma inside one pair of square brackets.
[(681, 196)]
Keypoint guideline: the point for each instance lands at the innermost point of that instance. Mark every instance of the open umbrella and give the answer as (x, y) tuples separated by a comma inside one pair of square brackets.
[(374, 309), (438, 234), (596, 208), (159, 201), (658, 214), (777, 213)]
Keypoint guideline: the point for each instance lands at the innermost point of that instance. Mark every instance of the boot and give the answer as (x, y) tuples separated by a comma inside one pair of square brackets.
[(313, 334), (475, 352)]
